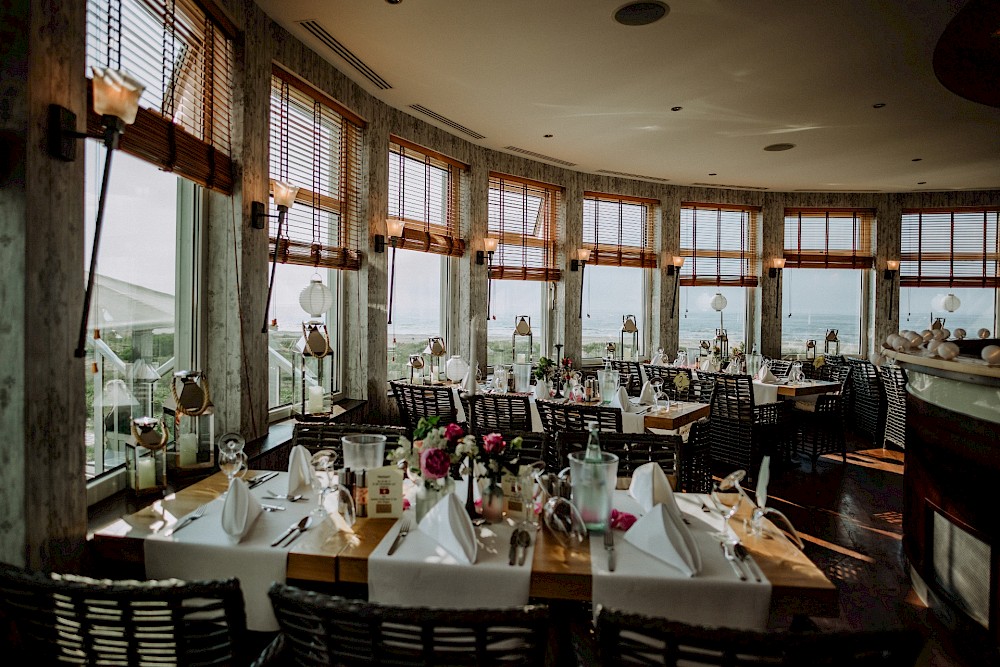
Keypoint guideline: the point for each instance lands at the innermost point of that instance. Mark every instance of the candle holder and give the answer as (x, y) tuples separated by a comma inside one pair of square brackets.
[(146, 457), (191, 415)]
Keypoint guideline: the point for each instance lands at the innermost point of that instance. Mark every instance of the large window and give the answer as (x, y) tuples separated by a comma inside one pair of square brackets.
[(827, 254), (417, 310), (699, 321), (618, 231), (510, 299)]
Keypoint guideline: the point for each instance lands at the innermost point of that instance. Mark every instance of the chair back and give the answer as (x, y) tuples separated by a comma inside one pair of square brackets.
[(496, 413), (868, 398), (631, 639), (779, 367), (558, 417), (632, 449), (733, 397), (701, 389), (416, 401), (315, 436), (668, 374), (696, 459), (319, 629), (78, 620), (894, 381), (628, 373)]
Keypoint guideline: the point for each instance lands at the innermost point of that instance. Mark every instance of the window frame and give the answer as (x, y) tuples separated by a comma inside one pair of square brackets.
[(695, 256), (820, 255), (548, 243), (910, 256)]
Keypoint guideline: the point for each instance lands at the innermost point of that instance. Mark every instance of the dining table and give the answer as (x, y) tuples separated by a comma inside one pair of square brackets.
[(325, 555)]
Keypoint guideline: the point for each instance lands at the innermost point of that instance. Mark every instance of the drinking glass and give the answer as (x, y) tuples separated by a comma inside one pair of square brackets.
[(593, 484), (231, 442), (607, 384), (363, 451), (726, 498), (232, 463), (322, 464), (564, 522)]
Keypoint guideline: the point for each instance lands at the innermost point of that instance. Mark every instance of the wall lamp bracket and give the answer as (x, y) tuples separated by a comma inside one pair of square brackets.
[(379, 243)]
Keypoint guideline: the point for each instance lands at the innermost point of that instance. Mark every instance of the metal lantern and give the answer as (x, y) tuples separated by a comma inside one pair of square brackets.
[(416, 363), (316, 298), (811, 349), (629, 327), (722, 342), (193, 420), (522, 327), (146, 456), (315, 340), (436, 349), (610, 350), (144, 376), (831, 345)]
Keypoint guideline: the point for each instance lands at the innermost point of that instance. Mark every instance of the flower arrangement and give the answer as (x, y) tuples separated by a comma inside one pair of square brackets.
[(496, 455), (546, 369), (566, 369), (429, 458)]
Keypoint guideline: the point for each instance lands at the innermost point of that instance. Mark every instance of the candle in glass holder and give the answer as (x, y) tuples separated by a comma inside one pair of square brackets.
[(146, 477), (520, 357), (187, 445), (314, 403)]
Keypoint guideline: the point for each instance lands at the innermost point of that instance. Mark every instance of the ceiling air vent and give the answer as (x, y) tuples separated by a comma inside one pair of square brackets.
[(533, 154), (447, 121), (730, 187), (639, 176), (321, 33)]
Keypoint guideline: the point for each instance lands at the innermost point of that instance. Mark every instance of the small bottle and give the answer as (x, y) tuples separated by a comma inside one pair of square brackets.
[(361, 494), (593, 453)]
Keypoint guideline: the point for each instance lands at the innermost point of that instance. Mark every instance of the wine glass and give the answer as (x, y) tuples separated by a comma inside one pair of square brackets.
[(322, 464), (231, 442), (727, 495), (661, 396), (564, 522), (232, 463)]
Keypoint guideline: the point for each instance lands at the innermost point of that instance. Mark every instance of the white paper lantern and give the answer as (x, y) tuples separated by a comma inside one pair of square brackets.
[(983, 333), (951, 303), (960, 334), (991, 355), (718, 302), (927, 334), (316, 299), (947, 351)]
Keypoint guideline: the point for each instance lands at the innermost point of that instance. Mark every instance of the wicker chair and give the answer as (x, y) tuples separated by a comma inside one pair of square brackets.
[(496, 413), (868, 404), (315, 436), (630, 377), (820, 423), (319, 629), (701, 389), (76, 620), (667, 374), (631, 639), (416, 401), (779, 367), (894, 381), (696, 459), (632, 449), (742, 433), (557, 417)]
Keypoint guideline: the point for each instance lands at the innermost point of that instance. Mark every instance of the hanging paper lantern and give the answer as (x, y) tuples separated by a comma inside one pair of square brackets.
[(316, 298), (951, 303), (718, 302)]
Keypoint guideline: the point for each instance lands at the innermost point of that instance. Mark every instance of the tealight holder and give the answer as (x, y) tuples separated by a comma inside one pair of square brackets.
[(146, 457)]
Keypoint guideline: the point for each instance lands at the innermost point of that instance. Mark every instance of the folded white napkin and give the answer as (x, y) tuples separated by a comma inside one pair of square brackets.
[(647, 396), (449, 525), (239, 511), (650, 487), (657, 360), (706, 364), (762, 479), (660, 535), (765, 375), (299, 469), (620, 400)]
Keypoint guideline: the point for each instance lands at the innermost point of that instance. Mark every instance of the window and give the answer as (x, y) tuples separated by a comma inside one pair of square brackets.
[(618, 231), (822, 288), (950, 251), (424, 189), (718, 243), (509, 300), (184, 58), (314, 145), (143, 313)]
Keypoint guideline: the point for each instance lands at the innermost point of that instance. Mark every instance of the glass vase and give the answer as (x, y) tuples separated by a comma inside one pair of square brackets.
[(429, 494), (493, 501)]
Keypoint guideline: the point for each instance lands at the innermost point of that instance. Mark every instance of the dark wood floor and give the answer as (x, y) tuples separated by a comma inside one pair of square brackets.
[(850, 517)]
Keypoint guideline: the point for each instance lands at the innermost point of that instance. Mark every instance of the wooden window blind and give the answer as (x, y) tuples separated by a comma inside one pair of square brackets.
[(619, 230), (318, 149), (718, 242), (523, 216), (183, 55), (950, 247), (828, 238), (423, 194)]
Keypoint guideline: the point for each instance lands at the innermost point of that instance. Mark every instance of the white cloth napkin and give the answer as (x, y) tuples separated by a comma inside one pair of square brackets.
[(650, 487), (448, 524), (660, 535), (239, 511), (299, 469), (706, 364), (764, 393), (762, 479), (765, 375), (657, 360), (647, 396), (620, 400)]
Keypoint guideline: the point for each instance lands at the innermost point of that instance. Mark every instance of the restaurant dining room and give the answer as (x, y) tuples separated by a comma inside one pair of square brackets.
[(428, 332)]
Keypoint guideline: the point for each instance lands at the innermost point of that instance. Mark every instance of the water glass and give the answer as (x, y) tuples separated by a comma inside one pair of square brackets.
[(363, 451), (593, 485), (607, 384), (233, 464)]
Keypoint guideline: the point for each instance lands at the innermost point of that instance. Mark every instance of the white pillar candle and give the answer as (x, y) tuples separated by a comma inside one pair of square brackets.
[(520, 358), (146, 473), (187, 445), (314, 403)]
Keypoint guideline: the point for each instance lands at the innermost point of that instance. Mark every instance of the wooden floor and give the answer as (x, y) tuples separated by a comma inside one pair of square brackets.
[(850, 517)]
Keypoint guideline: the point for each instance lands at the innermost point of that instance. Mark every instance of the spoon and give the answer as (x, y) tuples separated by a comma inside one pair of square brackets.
[(291, 499), (523, 541), (302, 527)]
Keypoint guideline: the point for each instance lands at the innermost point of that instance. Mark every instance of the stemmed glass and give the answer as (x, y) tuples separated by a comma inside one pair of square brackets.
[(661, 397), (232, 459), (324, 480), (727, 496), (564, 522)]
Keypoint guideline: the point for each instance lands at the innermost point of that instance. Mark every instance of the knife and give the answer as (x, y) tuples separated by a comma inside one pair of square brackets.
[(260, 479), (513, 547)]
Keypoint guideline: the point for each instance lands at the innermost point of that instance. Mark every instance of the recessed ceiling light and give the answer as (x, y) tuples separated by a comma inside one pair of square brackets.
[(713, 174), (921, 182), (641, 13), (547, 136), (779, 147), (878, 105), (916, 159), (676, 108)]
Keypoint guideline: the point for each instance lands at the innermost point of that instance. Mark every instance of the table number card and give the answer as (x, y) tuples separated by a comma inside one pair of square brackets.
[(385, 492), (513, 504)]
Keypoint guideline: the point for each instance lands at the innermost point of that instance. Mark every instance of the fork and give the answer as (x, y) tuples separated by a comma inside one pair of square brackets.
[(404, 528), (609, 546), (193, 516)]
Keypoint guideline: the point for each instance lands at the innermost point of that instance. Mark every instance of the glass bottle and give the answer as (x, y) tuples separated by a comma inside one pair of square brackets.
[(593, 475)]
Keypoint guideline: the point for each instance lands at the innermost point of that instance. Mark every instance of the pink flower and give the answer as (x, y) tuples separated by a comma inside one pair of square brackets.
[(622, 520), (493, 443), (434, 463), (453, 433)]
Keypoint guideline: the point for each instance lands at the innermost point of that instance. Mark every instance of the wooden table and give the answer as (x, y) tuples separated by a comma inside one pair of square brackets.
[(680, 414), (810, 388), (323, 555)]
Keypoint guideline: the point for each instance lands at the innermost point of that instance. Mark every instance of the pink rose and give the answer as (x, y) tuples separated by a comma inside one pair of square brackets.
[(434, 463), (622, 520), (453, 433), (493, 443)]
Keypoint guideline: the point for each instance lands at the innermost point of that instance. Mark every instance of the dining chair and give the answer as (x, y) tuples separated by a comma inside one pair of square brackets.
[(632, 450), (741, 432), (819, 423), (868, 399), (779, 367), (315, 436), (695, 472), (894, 381), (557, 417), (69, 619), (629, 375), (702, 386), (496, 413), (319, 629), (668, 375), (415, 401), (632, 639)]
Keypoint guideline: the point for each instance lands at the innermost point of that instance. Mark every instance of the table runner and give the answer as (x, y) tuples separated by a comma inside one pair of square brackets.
[(644, 584), (202, 550)]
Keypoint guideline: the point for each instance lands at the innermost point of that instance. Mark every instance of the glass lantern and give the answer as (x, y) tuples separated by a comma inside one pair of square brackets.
[(146, 457), (191, 415)]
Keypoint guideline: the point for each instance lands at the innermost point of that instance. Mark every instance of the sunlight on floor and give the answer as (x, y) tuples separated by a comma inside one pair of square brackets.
[(878, 459), (836, 548)]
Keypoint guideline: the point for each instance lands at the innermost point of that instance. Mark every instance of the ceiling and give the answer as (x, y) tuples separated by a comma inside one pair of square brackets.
[(744, 74)]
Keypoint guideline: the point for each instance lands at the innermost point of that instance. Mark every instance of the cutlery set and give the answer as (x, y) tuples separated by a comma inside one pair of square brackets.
[(739, 558), (260, 479), (520, 540), (609, 546), (293, 532)]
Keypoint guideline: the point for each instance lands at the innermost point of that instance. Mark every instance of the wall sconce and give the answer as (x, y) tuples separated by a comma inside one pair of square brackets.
[(116, 99), (674, 269), (284, 198), (489, 247), (891, 269), (395, 230), (777, 264), (579, 263)]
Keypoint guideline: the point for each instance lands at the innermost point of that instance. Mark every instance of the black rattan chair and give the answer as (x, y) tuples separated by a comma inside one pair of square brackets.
[(632, 449), (741, 432), (696, 459), (315, 436), (66, 619), (701, 388), (820, 423), (496, 413), (416, 401), (779, 367), (894, 382), (558, 417), (631, 639), (868, 399), (319, 629), (630, 378)]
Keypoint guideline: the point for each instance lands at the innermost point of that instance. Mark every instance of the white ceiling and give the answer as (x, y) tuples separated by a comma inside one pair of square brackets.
[(747, 73)]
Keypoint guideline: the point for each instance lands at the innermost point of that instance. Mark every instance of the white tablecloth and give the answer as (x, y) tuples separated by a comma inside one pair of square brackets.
[(202, 550), (644, 584), (631, 423), (423, 574), (764, 393)]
